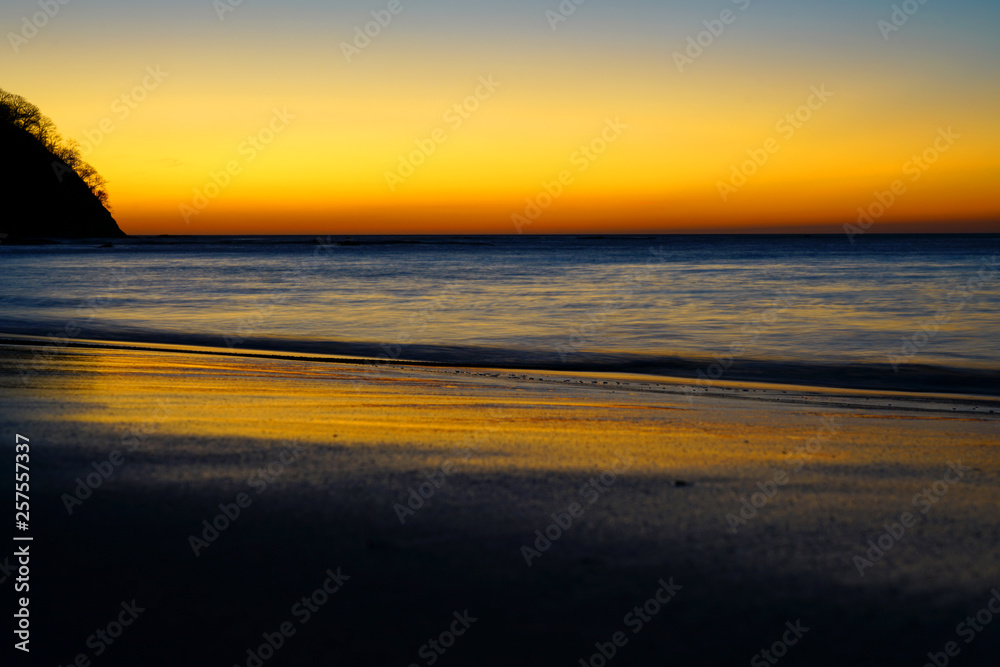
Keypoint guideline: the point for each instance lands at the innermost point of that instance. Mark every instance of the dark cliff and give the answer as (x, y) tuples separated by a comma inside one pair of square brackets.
[(42, 196)]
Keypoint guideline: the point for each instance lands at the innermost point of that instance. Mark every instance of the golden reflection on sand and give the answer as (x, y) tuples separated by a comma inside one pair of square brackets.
[(416, 416)]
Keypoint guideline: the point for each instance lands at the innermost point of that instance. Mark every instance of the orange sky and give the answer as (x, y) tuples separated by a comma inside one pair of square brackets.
[(168, 110)]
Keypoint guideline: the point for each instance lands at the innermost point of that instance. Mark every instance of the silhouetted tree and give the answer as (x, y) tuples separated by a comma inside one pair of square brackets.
[(20, 113)]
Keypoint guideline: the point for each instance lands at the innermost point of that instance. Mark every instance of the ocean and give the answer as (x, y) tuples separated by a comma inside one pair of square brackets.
[(917, 312)]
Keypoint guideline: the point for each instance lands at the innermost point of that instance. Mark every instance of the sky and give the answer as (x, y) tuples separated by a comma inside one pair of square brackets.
[(522, 116)]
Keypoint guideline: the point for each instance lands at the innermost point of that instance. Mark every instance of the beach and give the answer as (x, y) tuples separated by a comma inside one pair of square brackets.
[(614, 518), (494, 334)]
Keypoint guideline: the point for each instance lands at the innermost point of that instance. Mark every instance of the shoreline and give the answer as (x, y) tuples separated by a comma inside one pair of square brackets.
[(988, 394), (427, 486)]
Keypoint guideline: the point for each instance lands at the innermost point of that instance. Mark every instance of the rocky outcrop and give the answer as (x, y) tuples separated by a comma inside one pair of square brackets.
[(41, 197)]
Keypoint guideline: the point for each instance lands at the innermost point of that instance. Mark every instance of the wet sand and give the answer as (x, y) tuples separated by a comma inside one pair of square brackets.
[(425, 486)]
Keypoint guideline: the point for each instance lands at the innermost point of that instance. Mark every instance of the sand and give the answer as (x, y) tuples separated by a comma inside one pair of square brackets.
[(415, 493)]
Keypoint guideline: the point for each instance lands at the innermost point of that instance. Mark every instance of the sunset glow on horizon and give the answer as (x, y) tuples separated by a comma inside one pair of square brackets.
[(469, 117)]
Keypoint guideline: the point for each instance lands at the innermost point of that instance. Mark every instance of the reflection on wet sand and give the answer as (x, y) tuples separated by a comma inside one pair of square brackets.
[(427, 485)]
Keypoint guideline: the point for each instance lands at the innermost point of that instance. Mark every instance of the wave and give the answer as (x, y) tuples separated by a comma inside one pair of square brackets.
[(918, 378)]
